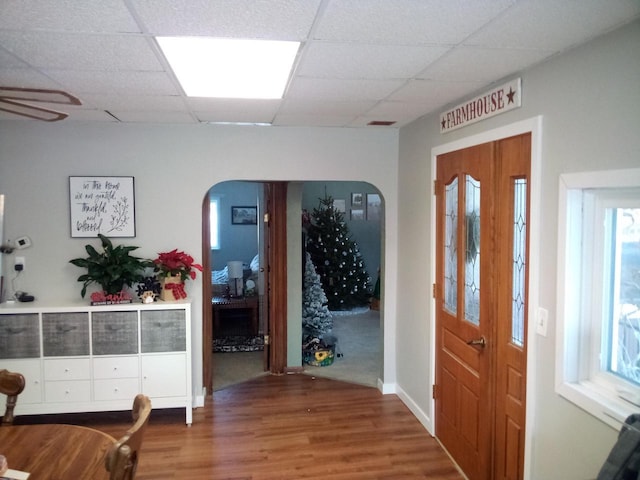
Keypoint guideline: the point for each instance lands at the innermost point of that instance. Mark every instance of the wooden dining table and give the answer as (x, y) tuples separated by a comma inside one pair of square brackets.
[(56, 451)]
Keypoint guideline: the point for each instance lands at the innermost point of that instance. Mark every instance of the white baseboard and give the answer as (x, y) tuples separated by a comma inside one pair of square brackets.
[(386, 388), (198, 401), (421, 415)]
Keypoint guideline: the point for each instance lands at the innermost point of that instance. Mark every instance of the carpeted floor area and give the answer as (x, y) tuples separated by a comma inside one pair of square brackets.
[(359, 344), (359, 350)]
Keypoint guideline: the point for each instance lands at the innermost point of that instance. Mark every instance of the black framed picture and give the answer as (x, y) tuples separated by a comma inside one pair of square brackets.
[(244, 215), (357, 214), (374, 206), (103, 205)]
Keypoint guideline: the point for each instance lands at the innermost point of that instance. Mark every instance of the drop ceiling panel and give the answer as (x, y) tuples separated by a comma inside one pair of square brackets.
[(330, 60), (69, 15), (398, 111), (233, 110), (89, 116), (434, 93), (341, 89), (266, 19), (322, 107), (554, 25), (406, 22), (481, 64), (153, 117), (140, 83), (147, 103), (80, 51), (8, 60), (313, 120), (26, 78)]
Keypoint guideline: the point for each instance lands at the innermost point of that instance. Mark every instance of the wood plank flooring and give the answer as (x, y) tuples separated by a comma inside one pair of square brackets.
[(283, 428)]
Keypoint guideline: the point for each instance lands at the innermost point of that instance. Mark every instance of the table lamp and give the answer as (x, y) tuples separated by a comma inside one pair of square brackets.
[(236, 281)]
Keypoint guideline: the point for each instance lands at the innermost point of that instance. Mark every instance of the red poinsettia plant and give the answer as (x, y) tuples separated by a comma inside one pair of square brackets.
[(176, 263)]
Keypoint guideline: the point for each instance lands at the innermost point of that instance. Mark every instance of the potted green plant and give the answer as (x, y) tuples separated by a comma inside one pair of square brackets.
[(113, 269)]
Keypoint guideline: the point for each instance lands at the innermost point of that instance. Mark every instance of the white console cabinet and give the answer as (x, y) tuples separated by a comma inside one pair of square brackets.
[(81, 358)]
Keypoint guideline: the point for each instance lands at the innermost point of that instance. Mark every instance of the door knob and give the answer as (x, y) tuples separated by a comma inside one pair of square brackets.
[(477, 342)]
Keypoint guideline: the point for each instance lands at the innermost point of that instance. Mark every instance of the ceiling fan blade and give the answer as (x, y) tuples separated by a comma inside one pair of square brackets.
[(38, 95), (30, 111)]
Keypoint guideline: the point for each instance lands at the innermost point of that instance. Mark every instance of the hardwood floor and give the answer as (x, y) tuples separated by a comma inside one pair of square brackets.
[(283, 428)]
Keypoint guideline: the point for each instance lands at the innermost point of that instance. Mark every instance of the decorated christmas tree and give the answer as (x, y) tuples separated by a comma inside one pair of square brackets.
[(337, 258), (316, 318)]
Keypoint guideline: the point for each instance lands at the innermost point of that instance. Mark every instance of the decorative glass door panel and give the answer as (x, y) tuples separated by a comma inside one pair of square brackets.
[(451, 247), (472, 252), (519, 261)]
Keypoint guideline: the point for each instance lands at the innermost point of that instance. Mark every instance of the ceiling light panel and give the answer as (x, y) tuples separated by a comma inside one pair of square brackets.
[(230, 68)]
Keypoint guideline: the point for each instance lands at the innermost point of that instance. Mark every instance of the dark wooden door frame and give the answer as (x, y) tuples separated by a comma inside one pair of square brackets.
[(276, 270), (207, 312)]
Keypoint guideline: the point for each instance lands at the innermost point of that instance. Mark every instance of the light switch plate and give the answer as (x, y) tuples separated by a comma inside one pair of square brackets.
[(542, 321)]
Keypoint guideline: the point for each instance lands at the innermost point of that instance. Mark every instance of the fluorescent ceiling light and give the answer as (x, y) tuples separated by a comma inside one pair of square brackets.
[(230, 68)]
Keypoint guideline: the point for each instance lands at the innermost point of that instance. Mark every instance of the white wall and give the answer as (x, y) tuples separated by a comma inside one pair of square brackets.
[(174, 167), (590, 102)]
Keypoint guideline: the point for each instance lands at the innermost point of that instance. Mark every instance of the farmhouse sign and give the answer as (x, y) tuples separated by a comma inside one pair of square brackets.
[(498, 100)]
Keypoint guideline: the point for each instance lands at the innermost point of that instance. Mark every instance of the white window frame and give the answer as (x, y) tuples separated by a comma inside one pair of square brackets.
[(214, 222), (579, 376)]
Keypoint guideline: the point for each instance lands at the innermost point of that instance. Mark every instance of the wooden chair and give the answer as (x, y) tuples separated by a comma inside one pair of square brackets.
[(11, 385), (122, 459)]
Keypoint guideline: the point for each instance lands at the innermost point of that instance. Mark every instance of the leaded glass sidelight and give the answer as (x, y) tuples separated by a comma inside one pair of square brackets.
[(472, 252), (519, 290), (451, 247)]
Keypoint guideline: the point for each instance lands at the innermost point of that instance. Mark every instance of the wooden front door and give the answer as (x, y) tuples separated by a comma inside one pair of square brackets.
[(481, 304)]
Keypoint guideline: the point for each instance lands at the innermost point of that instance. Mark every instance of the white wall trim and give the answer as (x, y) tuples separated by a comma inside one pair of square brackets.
[(533, 125), (422, 416), (198, 400), (572, 381), (387, 388)]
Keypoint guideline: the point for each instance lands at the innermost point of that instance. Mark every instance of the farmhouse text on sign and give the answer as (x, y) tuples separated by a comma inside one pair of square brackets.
[(498, 100)]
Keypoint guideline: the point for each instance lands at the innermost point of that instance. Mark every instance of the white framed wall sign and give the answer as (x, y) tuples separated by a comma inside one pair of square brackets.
[(103, 205)]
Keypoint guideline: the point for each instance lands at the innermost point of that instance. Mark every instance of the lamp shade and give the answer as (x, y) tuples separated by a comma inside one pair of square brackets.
[(235, 269)]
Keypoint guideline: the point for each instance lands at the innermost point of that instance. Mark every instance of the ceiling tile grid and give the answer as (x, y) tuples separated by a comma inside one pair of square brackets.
[(359, 61)]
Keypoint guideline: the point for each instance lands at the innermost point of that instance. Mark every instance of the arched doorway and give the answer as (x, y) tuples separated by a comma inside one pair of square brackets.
[(296, 197)]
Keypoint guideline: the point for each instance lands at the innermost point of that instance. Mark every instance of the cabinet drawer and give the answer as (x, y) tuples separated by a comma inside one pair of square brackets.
[(115, 367), (65, 334), (118, 389), (114, 333), (163, 331), (19, 336), (68, 391), (32, 372), (67, 369)]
